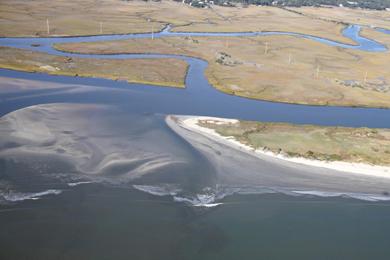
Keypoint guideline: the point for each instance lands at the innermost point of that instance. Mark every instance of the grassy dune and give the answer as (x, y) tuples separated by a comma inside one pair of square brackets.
[(166, 72), (314, 142), (276, 68), (72, 17)]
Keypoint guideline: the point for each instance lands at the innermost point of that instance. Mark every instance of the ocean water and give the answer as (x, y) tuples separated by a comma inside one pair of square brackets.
[(94, 221)]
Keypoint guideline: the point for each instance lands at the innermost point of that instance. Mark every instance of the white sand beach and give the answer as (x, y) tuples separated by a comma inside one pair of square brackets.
[(191, 123)]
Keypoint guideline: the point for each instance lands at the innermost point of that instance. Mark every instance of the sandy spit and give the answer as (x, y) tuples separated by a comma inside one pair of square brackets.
[(191, 123)]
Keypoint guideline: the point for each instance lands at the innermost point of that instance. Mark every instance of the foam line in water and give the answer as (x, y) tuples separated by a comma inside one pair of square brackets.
[(162, 190), (211, 197), (74, 184), (198, 201), (359, 196), (21, 196)]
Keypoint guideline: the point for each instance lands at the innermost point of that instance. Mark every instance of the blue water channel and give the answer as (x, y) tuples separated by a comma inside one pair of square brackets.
[(199, 97)]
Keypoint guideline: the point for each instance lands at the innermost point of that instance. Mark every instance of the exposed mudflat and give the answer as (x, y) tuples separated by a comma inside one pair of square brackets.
[(94, 143)]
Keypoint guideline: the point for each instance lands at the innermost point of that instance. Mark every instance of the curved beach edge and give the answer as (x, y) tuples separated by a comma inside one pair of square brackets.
[(190, 123)]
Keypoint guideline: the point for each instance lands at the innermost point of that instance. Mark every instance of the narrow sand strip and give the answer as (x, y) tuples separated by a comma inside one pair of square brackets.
[(191, 123)]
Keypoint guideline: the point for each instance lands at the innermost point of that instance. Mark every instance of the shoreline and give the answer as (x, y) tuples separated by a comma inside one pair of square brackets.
[(190, 123), (94, 76)]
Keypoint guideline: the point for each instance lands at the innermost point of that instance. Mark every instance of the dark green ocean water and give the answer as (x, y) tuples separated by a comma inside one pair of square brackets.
[(99, 222)]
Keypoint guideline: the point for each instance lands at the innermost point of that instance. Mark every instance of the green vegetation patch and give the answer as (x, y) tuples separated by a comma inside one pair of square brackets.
[(362, 145), (163, 72)]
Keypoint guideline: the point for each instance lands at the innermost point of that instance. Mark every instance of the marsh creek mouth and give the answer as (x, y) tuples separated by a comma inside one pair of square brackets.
[(198, 98)]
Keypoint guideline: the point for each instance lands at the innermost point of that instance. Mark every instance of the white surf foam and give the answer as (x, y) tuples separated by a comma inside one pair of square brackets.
[(200, 200), (12, 196), (359, 196), (206, 199), (73, 184), (223, 192), (211, 197), (326, 194), (162, 190)]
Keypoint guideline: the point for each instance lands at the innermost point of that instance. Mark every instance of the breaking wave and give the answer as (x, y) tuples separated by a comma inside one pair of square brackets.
[(200, 200), (12, 196), (359, 196), (74, 184), (211, 197), (162, 190)]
